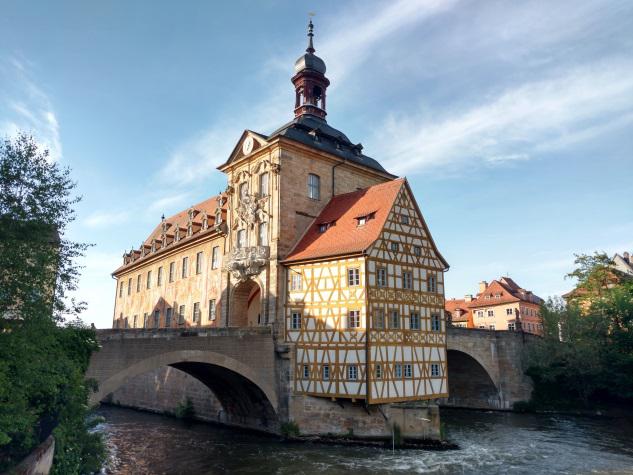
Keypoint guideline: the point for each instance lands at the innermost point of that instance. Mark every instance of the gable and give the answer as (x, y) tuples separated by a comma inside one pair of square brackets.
[(408, 235), (248, 143)]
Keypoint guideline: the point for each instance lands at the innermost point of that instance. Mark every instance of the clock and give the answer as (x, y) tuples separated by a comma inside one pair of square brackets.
[(247, 146)]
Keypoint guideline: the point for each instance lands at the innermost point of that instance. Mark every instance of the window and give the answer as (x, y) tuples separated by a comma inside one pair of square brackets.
[(172, 271), (215, 257), (196, 312), (314, 186), (156, 318), (181, 314), (323, 227), (241, 238), (482, 327), (432, 284), (138, 283), (480, 313), (511, 326), (352, 372), (295, 282), (509, 311), (378, 371), (491, 327), (306, 371), (394, 247), (129, 286), (408, 370), (263, 184), (199, 261), (417, 251), (404, 219), (491, 313), (145, 321), (135, 321), (263, 234), (326, 372), (159, 279), (121, 290), (395, 319), (353, 319), (353, 276), (407, 280), (379, 318), (381, 277), (435, 369), (148, 284), (243, 190), (185, 267), (397, 370), (414, 321), (497, 296), (126, 324), (212, 310), (436, 324), (362, 220), (295, 323), (168, 317)]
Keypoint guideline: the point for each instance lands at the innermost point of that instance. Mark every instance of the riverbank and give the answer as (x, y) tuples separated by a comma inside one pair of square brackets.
[(490, 442)]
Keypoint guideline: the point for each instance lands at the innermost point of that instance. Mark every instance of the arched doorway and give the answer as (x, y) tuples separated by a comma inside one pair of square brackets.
[(246, 305), (469, 384)]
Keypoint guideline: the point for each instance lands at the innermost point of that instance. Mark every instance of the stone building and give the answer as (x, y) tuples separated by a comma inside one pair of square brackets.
[(499, 305), (316, 240)]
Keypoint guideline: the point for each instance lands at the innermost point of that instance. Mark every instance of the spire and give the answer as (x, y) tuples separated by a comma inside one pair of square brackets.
[(310, 81), (310, 49)]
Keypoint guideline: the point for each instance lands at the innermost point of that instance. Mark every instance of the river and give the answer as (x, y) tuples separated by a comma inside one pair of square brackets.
[(490, 443)]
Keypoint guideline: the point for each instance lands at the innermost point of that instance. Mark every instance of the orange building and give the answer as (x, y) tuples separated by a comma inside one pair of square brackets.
[(499, 305)]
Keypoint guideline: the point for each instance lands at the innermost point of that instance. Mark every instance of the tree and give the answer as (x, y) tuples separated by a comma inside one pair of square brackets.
[(586, 353), (43, 357)]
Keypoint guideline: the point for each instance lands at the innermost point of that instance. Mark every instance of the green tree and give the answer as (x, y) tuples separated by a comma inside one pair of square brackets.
[(586, 354), (43, 356)]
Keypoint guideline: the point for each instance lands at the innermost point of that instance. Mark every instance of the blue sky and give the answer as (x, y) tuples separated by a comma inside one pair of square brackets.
[(512, 120)]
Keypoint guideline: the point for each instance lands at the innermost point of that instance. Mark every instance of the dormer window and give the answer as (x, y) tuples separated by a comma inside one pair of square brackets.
[(205, 221), (362, 220), (218, 217), (498, 296), (191, 213), (189, 229), (322, 227)]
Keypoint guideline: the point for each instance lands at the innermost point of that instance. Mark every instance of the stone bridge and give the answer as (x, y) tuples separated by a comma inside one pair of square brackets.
[(239, 365)]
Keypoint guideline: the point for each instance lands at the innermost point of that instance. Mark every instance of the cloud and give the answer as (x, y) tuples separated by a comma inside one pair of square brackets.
[(27, 107), (169, 202), (102, 219), (515, 124)]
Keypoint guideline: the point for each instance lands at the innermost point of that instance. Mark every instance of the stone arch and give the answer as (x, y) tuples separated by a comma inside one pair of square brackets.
[(244, 395), (246, 304), (470, 383)]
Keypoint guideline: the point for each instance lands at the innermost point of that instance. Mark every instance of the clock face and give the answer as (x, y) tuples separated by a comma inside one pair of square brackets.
[(247, 146)]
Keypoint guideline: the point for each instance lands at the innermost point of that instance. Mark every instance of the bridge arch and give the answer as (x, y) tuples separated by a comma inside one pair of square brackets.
[(470, 383), (246, 397)]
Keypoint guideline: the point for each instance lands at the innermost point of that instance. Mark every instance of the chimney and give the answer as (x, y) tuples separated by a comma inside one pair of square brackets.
[(627, 257), (482, 286), (468, 298)]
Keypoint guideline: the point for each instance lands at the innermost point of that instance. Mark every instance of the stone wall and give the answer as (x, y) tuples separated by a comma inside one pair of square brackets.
[(163, 390), (38, 462)]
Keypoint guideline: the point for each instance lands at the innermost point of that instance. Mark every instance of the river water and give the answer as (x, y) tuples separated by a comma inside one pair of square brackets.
[(490, 443)]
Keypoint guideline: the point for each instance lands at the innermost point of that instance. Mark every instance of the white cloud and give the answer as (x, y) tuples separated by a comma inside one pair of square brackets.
[(514, 124), (29, 107), (100, 219), (164, 205)]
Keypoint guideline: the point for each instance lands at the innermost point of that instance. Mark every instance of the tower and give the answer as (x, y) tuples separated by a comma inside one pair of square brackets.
[(310, 81)]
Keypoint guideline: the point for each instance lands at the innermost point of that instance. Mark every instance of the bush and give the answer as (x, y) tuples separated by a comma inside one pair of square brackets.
[(290, 429), (185, 410)]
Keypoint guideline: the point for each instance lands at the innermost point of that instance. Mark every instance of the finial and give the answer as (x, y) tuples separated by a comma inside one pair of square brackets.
[(310, 49), (162, 218)]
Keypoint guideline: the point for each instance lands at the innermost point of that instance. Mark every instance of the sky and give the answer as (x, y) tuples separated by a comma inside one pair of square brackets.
[(513, 121)]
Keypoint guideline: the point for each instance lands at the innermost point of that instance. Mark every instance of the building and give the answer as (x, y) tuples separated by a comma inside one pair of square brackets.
[(619, 269), (499, 305), (316, 240)]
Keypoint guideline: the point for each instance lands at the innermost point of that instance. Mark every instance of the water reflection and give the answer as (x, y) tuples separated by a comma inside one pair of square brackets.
[(490, 443)]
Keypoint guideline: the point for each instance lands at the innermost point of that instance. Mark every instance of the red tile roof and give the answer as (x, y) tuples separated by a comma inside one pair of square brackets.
[(345, 236), (508, 292)]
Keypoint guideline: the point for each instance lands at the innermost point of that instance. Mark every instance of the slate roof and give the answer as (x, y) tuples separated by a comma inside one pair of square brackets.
[(316, 133), (344, 235)]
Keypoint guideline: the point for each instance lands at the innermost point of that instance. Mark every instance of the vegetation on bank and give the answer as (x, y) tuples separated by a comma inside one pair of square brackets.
[(585, 359), (44, 347)]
